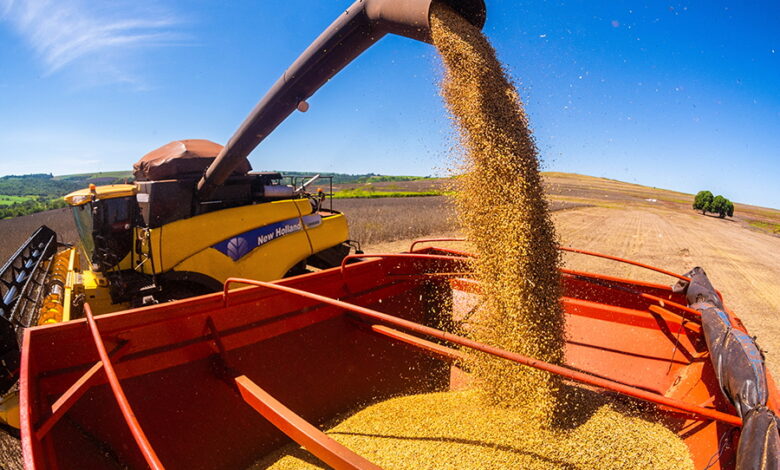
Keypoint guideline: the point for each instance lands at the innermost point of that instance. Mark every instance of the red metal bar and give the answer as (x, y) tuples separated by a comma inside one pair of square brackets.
[(436, 349), (68, 399), (300, 430), (623, 260), (569, 249), (431, 240), (472, 286), (679, 405), (119, 394), (663, 302), (400, 255), (665, 314)]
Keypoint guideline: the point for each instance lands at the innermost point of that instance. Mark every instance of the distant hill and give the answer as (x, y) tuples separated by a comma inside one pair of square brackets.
[(343, 178)]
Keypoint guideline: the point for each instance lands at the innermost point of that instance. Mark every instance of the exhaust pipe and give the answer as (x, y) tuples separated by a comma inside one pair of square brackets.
[(363, 24)]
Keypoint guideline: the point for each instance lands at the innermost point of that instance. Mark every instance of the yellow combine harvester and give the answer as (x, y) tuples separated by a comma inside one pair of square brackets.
[(156, 240), (161, 239)]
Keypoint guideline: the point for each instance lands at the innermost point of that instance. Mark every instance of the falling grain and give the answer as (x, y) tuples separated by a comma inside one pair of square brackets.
[(504, 214), (515, 417)]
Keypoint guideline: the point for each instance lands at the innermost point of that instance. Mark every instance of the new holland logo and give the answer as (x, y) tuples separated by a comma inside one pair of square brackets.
[(241, 245)]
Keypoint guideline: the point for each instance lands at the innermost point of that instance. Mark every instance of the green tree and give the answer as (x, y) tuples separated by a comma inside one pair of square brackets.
[(702, 201), (719, 206), (729, 208)]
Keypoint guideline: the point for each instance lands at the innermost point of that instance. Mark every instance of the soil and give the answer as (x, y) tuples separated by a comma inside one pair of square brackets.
[(743, 264)]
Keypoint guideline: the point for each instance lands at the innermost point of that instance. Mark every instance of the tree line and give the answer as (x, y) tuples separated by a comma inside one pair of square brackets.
[(31, 206), (42, 184), (706, 202)]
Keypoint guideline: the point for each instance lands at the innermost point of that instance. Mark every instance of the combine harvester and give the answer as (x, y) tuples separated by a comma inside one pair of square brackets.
[(220, 380)]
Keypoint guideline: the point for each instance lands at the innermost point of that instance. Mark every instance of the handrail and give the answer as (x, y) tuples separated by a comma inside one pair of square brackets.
[(623, 260), (565, 372), (399, 255), (127, 412), (572, 250), (431, 240)]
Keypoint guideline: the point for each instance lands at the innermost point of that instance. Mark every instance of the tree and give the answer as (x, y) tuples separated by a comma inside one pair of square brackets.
[(705, 202), (702, 201), (718, 206)]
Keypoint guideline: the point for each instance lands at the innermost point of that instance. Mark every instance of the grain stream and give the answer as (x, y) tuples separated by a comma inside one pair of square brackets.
[(503, 212), (515, 417)]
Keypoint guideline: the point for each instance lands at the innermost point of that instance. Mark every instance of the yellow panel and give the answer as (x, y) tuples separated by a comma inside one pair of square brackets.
[(265, 263), (110, 191), (331, 232), (184, 238), (9, 409), (272, 260), (96, 294)]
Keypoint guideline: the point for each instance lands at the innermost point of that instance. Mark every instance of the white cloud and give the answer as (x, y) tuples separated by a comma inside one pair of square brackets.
[(96, 39)]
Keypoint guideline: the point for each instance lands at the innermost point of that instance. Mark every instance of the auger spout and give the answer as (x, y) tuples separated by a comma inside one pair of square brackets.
[(363, 24)]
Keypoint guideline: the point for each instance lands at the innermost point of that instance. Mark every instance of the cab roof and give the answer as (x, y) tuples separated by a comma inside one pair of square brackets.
[(110, 191)]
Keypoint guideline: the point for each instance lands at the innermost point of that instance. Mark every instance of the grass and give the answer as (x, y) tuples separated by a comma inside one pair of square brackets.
[(770, 227), (8, 200), (359, 193)]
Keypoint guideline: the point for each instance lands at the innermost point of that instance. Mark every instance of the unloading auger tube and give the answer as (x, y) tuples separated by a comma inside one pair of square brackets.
[(359, 27)]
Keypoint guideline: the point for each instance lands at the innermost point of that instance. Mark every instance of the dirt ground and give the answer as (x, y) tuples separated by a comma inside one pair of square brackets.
[(743, 264)]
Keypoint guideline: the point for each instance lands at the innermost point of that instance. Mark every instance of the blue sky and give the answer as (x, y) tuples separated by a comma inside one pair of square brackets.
[(674, 95)]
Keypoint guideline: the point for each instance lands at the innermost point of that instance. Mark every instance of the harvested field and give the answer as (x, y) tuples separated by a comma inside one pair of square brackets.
[(387, 219), (743, 264), (373, 221), (15, 231)]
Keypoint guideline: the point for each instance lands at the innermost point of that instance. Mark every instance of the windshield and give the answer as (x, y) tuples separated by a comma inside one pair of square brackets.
[(83, 216)]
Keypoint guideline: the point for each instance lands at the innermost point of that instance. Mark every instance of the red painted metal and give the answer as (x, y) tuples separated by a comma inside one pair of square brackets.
[(433, 240), (300, 430), (577, 376), (417, 256), (437, 349), (176, 366), (31, 448), (623, 260), (68, 399), (138, 434)]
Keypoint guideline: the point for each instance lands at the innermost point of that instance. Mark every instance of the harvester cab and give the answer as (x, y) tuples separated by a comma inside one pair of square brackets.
[(158, 240), (104, 217)]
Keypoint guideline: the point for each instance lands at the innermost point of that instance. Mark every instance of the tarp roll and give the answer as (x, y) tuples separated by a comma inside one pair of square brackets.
[(739, 366)]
